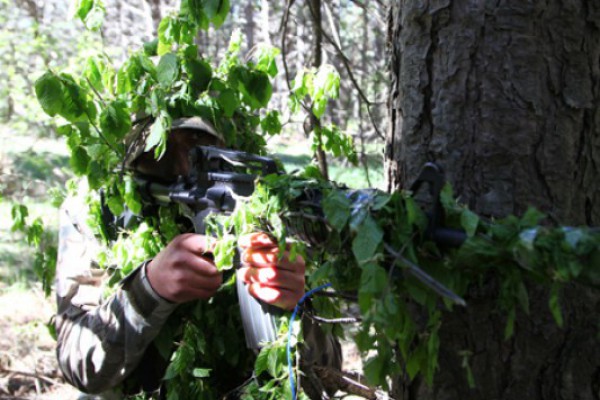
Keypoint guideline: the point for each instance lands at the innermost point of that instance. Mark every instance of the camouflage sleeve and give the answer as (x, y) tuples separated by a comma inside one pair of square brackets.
[(100, 341)]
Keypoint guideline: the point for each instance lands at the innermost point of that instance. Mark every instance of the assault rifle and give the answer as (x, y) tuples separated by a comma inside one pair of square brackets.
[(218, 176)]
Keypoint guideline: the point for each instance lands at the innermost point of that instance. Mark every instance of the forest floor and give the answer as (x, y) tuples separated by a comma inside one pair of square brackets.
[(28, 368), (28, 169)]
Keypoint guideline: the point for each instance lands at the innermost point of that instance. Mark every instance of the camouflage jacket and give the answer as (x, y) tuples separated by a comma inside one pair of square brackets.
[(100, 340)]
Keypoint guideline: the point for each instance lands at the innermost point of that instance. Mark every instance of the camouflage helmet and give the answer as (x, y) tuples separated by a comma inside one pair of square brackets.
[(135, 141)]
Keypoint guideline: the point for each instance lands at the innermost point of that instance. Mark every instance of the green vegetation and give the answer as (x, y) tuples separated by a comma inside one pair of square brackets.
[(370, 237)]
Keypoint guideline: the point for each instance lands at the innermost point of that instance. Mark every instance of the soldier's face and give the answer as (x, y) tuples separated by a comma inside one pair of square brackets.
[(175, 161)]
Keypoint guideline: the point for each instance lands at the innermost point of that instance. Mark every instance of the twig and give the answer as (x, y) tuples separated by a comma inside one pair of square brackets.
[(346, 296), (346, 63), (283, 29), (29, 375), (348, 383), (101, 135), (347, 320), (424, 277), (95, 91)]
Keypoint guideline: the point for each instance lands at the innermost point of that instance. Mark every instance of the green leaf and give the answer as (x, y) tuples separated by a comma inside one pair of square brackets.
[(83, 7), (167, 70), (169, 29), (375, 370), (466, 355), (509, 329), (254, 85), (266, 60), (196, 10), (132, 196), (447, 197), (151, 47), (229, 102), (259, 89), (415, 215), (49, 92), (115, 205), (319, 107), (115, 121), (74, 100), (201, 372), (469, 221), (91, 13), (276, 360), (554, 304), (262, 361), (19, 213), (216, 11), (270, 123), (158, 134), (373, 279), (531, 218), (336, 207), (199, 74), (146, 65), (368, 238), (80, 160)]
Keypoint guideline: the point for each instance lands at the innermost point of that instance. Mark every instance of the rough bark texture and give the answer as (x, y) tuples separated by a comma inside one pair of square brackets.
[(505, 96)]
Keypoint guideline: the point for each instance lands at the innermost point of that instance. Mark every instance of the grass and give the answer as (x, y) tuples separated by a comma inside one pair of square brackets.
[(29, 167)]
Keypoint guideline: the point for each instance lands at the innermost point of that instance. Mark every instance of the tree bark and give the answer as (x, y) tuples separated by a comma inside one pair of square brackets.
[(505, 96), (315, 123), (250, 25)]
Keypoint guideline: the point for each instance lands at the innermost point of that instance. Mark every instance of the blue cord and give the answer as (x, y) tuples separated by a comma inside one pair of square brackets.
[(289, 341)]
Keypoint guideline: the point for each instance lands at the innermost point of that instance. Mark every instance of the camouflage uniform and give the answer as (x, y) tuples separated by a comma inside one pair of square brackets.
[(100, 341), (103, 341)]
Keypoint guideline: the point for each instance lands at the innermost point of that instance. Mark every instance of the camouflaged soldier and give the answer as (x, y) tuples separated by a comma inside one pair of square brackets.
[(103, 341)]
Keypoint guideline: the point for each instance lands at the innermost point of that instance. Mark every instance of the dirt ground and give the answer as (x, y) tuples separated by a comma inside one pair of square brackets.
[(28, 368)]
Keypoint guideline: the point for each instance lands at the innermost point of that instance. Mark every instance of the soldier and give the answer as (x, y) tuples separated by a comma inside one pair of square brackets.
[(103, 341)]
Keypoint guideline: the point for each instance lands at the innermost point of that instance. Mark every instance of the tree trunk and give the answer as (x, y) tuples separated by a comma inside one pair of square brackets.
[(315, 123), (250, 25), (505, 96)]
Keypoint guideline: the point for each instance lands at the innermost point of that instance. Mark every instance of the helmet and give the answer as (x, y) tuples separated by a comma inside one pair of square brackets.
[(136, 140)]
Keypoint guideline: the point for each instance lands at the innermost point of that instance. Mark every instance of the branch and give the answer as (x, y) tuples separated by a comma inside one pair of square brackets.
[(348, 383), (34, 375), (346, 63), (347, 320), (424, 277), (101, 135), (283, 29), (345, 296), (95, 91)]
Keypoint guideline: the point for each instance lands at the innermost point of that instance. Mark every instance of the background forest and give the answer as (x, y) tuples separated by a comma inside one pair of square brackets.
[(34, 164)]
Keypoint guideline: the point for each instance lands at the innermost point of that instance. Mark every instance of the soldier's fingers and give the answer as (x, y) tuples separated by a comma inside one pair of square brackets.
[(198, 244), (273, 277), (285, 299), (269, 257), (257, 239)]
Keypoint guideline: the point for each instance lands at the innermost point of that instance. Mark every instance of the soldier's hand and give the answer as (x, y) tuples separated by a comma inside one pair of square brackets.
[(182, 272), (275, 281)]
